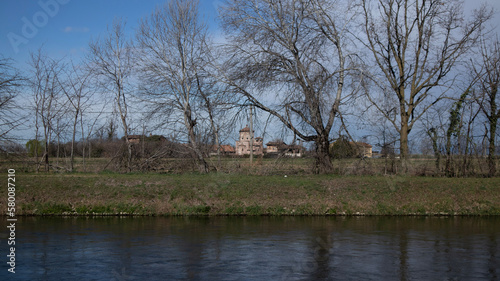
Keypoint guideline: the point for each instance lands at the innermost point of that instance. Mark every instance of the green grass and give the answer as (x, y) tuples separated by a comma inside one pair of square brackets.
[(229, 194)]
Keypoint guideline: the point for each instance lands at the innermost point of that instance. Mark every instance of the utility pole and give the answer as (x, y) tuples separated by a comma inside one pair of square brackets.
[(251, 135), (143, 140)]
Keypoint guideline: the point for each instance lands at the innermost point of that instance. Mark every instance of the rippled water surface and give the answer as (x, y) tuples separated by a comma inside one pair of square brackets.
[(255, 248)]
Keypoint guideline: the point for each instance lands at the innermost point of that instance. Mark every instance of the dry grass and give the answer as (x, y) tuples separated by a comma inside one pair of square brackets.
[(230, 194), (476, 167)]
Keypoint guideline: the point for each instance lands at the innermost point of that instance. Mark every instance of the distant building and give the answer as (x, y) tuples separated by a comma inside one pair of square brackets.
[(280, 147), (365, 150), (343, 148), (294, 150), (275, 146), (224, 149), (135, 138), (243, 143)]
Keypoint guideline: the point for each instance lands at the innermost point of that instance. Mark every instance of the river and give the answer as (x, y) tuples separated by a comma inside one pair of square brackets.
[(255, 248)]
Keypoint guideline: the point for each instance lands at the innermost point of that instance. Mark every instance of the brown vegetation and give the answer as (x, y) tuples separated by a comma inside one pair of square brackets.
[(224, 194)]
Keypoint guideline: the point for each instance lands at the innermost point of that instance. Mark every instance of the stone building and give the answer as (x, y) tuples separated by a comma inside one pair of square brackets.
[(243, 143)]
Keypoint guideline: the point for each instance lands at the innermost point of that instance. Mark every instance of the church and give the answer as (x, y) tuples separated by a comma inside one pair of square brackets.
[(243, 143)]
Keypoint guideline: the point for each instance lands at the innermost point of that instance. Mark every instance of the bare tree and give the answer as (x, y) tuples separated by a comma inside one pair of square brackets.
[(416, 44), (10, 83), (294, 50), (487, 95), (110, 59), (173, 41), (46, 98), (76, 86), (455, 127), (217, 102)]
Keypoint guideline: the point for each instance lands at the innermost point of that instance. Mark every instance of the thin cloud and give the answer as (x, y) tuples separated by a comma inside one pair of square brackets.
[(71, 29)]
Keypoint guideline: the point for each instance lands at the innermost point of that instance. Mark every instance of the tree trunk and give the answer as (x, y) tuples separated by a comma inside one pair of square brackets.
[(46, 150), (403, 143), (127, 141), (217, 143), (434, 137), (123, 116), (190, 123), (46, 156), (251, 137), (491, 149), (466, 151), (323, 163), (202, 164), (447, 169), (72, 157), (83, 146)]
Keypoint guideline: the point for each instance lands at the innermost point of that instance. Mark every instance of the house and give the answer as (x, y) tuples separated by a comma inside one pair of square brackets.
[(243, 143), (275, 147), (364, 149), (343, 148), (135, 138), (280, 147), (225, 149), (294, 150)]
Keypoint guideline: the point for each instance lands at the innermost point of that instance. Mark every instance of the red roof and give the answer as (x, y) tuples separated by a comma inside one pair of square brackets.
[(246, 129), (225, 148), (275, 143), (364, 144)]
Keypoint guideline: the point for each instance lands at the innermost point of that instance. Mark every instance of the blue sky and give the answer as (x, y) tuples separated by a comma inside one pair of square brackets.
[(64, 27)]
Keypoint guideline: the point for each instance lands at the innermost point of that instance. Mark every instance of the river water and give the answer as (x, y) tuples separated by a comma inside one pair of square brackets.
[(255, 248)]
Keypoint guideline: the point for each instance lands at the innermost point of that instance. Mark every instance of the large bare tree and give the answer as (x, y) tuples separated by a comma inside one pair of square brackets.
[(416, 44), (290, 59), (174, 47), (487, 96), (77, 88), (11, 81), (110, 59), (48, 104)]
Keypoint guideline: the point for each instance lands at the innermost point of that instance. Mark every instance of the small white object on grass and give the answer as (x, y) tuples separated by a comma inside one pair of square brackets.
[(285, 176)]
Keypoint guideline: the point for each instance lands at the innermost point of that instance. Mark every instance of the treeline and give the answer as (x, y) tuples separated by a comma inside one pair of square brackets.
[(148, 154), (319, 68)]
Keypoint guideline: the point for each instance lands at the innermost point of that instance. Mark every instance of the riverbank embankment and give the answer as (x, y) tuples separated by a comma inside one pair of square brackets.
[(231, 194)]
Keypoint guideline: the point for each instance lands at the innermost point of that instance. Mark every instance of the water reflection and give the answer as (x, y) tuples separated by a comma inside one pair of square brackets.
[(257, 248)]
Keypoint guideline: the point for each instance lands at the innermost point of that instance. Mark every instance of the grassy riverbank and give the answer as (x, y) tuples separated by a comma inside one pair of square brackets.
[(224, 194)]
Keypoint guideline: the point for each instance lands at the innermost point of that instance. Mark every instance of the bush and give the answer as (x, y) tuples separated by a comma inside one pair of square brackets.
[(34, 147), (342, 148)]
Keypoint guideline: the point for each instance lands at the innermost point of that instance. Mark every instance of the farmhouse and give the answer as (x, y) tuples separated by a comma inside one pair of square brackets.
[(280, 147), (224, 149), (275, 146), (135, 138), (364, 149)]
